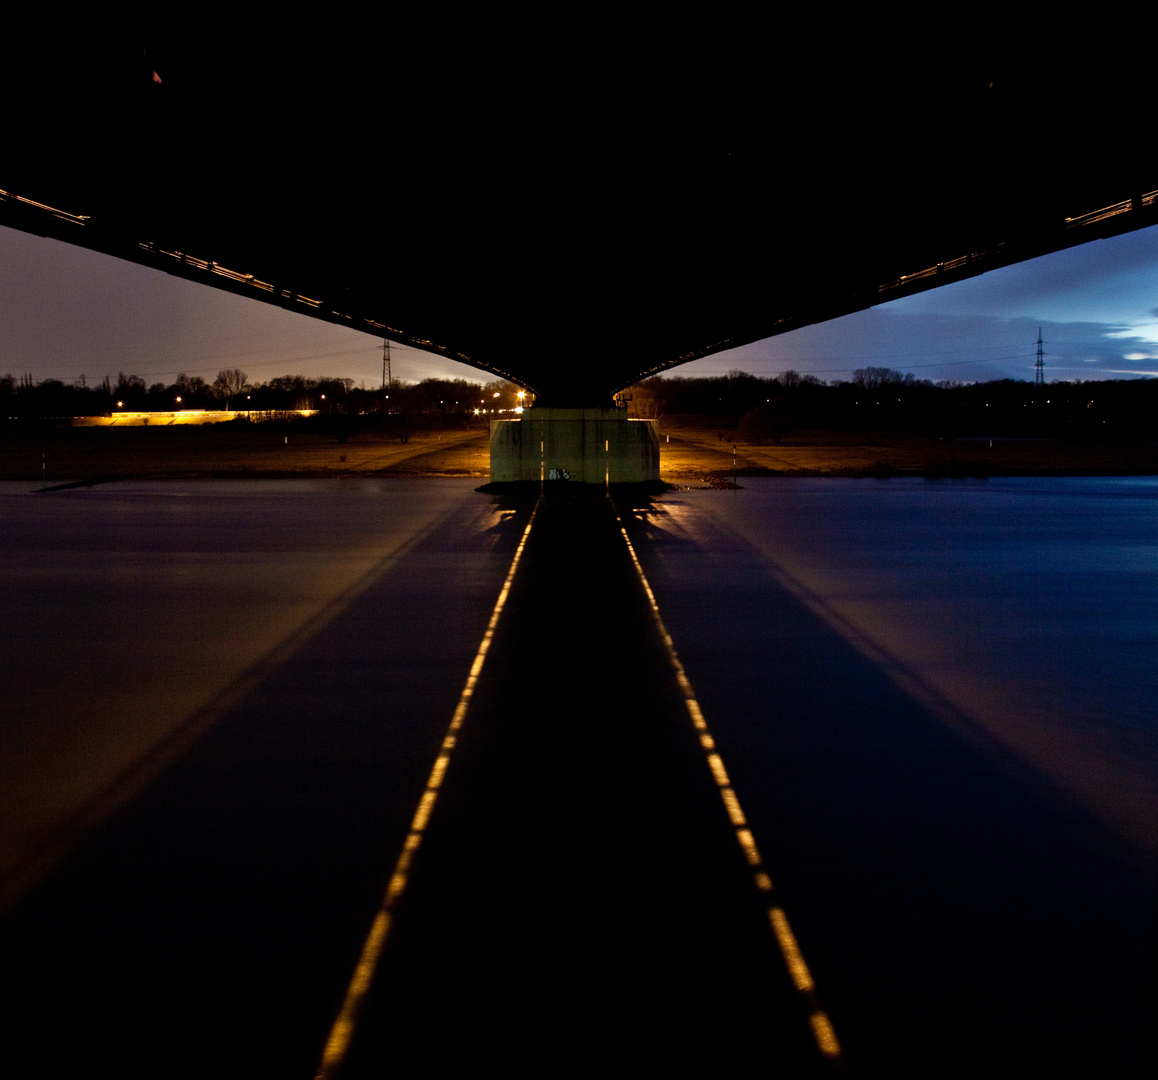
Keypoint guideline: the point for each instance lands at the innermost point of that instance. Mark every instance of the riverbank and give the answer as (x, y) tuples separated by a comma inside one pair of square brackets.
[(688, 456), (68, 455)]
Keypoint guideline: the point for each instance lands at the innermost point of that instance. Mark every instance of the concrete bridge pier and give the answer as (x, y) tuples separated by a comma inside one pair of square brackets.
[(586, 446)]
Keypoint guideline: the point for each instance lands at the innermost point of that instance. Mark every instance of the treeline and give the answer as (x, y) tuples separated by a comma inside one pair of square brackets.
[(438, 400), (749, 407), (879, 399)]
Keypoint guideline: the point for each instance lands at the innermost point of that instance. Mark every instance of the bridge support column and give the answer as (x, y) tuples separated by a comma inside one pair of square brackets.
[(587, 446)]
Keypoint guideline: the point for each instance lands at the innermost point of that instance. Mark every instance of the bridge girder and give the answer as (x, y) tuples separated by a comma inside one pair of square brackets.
[(570, 221)]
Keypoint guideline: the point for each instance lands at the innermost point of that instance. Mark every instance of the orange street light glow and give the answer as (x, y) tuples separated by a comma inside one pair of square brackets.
[(822, 1030), (342, 1031)]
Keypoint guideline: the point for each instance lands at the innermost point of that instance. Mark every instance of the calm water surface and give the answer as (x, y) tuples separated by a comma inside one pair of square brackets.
[(937, 700), (1029, 604)]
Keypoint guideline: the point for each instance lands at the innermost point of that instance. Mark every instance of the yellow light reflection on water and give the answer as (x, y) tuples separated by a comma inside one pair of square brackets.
[(733, 806), (822, 1029), (342, 1031), (797, 968)]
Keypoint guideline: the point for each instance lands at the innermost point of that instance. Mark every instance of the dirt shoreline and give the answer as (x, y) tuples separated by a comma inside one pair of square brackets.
[(81, 456), (698, 453)]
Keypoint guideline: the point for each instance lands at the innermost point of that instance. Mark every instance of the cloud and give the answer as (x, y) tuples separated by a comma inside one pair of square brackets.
[(966, 346), (1147, 333), (1088, 301)]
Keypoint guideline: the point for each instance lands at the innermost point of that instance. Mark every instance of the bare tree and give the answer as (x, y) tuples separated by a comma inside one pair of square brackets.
[(230, 382), (873, 378), (647, 400)]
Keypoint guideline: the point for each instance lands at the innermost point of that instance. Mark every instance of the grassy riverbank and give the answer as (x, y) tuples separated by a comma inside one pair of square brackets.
[(688, 456), (691, 453)]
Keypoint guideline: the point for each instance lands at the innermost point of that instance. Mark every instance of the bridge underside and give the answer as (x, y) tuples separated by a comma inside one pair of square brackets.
[(580, 213)]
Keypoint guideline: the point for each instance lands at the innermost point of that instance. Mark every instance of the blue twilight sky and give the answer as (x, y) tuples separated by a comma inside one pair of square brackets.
[(66, 313)]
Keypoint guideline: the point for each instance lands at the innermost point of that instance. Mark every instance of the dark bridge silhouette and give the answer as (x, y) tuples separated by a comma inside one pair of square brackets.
[(571, 205), (578, 211)]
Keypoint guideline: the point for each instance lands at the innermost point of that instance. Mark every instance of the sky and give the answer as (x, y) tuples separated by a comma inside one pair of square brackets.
[(71, 314)]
